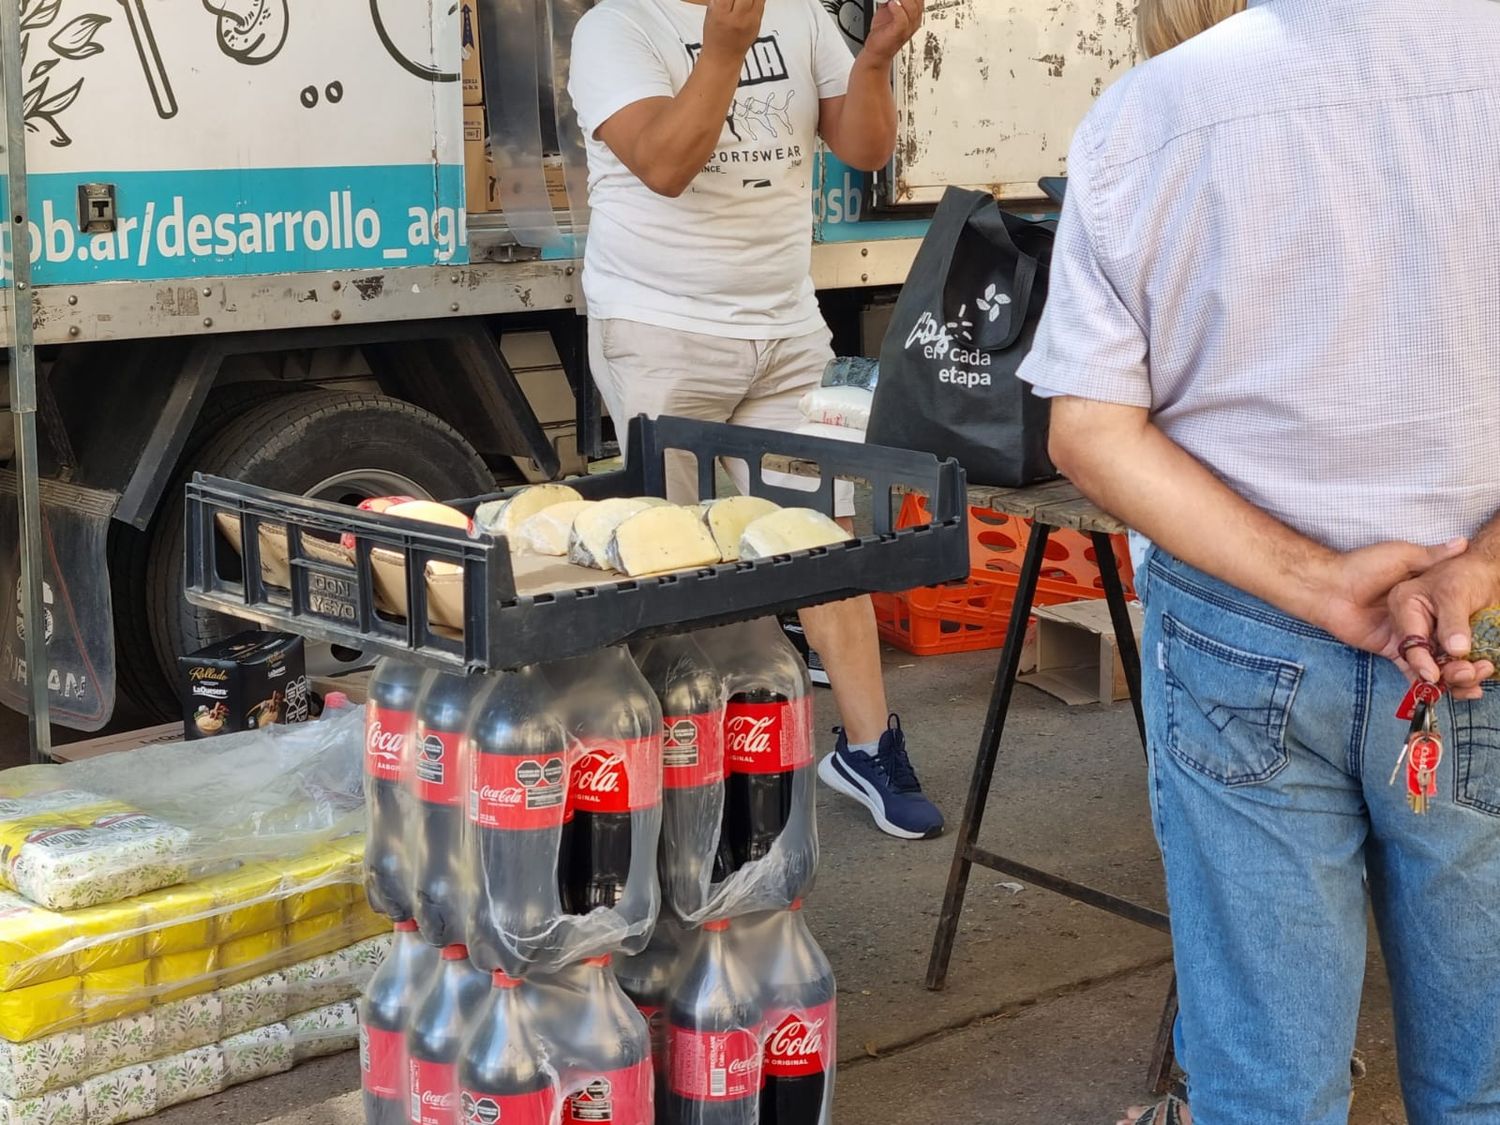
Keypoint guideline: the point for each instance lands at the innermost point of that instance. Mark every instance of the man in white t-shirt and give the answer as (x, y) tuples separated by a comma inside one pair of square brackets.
[(702, 119)]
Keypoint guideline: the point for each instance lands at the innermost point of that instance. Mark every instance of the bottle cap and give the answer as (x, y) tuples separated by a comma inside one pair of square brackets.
[(716, 927), (335, 700), (796, 904), (598, 962), (407, 927), (501, 980), (455, 953)]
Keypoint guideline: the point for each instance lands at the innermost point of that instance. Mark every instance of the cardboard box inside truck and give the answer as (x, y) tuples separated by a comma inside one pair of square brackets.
[(473, 82)]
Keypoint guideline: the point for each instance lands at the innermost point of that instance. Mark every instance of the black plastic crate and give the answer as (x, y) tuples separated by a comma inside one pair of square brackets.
[(330, 594)]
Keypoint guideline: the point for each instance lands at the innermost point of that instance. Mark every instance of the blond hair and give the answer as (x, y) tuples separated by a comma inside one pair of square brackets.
[(1163, 24)]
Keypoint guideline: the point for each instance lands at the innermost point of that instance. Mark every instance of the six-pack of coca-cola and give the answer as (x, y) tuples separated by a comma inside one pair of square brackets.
[(526, 830)]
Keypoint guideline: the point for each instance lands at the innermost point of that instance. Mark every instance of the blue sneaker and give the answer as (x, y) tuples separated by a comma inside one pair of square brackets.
[(885, 784)]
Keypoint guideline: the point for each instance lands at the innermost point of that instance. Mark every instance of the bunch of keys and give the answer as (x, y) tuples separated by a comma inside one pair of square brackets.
[(1423, 750)]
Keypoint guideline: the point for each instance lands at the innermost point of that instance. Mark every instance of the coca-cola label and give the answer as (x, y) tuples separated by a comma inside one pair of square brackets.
[(768, 737), (435, 767), (617, 776), (621, 1095), (715, 1066), (385, 742), (802, 1043), (480, 1108), (508, 793), (434, 1093), (382, 1062), (692, 751)]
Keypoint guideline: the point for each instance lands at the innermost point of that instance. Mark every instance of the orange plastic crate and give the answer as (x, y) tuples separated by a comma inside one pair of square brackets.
[(974, 615)]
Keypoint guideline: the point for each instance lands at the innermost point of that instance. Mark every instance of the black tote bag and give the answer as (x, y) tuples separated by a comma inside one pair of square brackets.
[(964, 321)]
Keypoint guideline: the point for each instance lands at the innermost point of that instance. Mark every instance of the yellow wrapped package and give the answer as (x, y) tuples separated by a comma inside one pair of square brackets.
[(317, 883), (111, 994), (363, 922), (35, 943), (109, 936), (176, 976), (313, 937), (41, 1009), (250, 956), (180, 919), (248, 901)]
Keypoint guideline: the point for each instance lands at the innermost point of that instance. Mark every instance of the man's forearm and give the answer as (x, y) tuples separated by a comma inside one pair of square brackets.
[(867, 128), (1134, 471), (682, 138)]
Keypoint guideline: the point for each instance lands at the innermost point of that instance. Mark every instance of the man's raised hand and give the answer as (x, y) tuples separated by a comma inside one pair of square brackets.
[(730, 27)]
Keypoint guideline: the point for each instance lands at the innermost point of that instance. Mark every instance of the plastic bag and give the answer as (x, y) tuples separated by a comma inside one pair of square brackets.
[(107, 828), (848, 407)]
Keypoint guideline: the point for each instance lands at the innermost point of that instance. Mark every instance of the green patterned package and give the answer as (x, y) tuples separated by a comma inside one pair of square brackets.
[(189, 1076), (122, 1042), (366, 956), (127, 1094), (185, 1024), (257, 1054), (29, 1069), (253, 1003), (322, 980), (324, 1031), (62, 1107)]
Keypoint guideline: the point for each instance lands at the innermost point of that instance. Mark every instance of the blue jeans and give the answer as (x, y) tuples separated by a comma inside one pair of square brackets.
[(1272, 746)]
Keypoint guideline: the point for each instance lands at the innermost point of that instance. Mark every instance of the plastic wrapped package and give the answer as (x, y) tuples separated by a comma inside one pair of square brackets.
[(739, 820), (71, 848), (118, 826), (181, 1027), (526, 823), (131, 1092), (846, 407)]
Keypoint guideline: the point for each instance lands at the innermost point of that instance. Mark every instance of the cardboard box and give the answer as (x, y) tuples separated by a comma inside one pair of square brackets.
[(249, 681), (1077, 659), (478, 182), (473, 81), (113, 743)]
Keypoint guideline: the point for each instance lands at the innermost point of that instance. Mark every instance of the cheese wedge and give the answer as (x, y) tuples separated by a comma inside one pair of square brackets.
[(727, 519), (428, 512), (593, 528), (658, 540), (548, 532), (505, 517), (788, 531)]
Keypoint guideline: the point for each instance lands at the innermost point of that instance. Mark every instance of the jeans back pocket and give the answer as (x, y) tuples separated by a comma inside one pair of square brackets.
[(1226, 709)]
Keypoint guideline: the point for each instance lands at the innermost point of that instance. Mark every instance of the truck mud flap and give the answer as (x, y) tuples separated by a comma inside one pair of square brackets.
[(80, 629)]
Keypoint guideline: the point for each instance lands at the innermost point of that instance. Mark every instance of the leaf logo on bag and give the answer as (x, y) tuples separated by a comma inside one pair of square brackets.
[(992, 302)]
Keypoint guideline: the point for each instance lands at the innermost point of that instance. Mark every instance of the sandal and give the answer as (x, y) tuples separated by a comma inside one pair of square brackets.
[(1168, 1111)]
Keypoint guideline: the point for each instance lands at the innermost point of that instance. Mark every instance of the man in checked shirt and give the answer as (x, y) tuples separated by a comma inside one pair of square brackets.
[(1274, 333)]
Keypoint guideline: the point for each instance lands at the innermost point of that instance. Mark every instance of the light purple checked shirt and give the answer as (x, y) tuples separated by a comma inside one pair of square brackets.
[(1283, 237)]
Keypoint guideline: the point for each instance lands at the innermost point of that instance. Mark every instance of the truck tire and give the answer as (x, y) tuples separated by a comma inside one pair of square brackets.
[(139, 678), (336, 445)]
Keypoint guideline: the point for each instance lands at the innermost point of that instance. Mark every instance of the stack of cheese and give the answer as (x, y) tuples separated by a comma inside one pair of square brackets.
[(60, 971), (180, 1050), (639, 536)]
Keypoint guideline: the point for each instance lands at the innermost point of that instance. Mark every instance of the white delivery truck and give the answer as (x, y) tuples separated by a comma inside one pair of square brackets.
[(317, 246)]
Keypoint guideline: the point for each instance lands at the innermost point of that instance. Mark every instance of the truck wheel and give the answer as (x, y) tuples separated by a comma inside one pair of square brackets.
[(139, 677), (334, 445)]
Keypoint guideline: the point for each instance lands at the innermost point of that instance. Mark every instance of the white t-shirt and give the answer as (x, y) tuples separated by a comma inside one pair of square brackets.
[(732, 255)]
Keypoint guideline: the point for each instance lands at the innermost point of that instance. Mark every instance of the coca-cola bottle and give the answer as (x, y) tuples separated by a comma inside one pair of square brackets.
[(436, 780), (441, 1020), (384, 1012), (691, 694), (390, 718), (799, 999), (503, 1075), (607, 1050), (517, 796), (767, 748), (714, 1065), (614, 792), (647, 980)]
